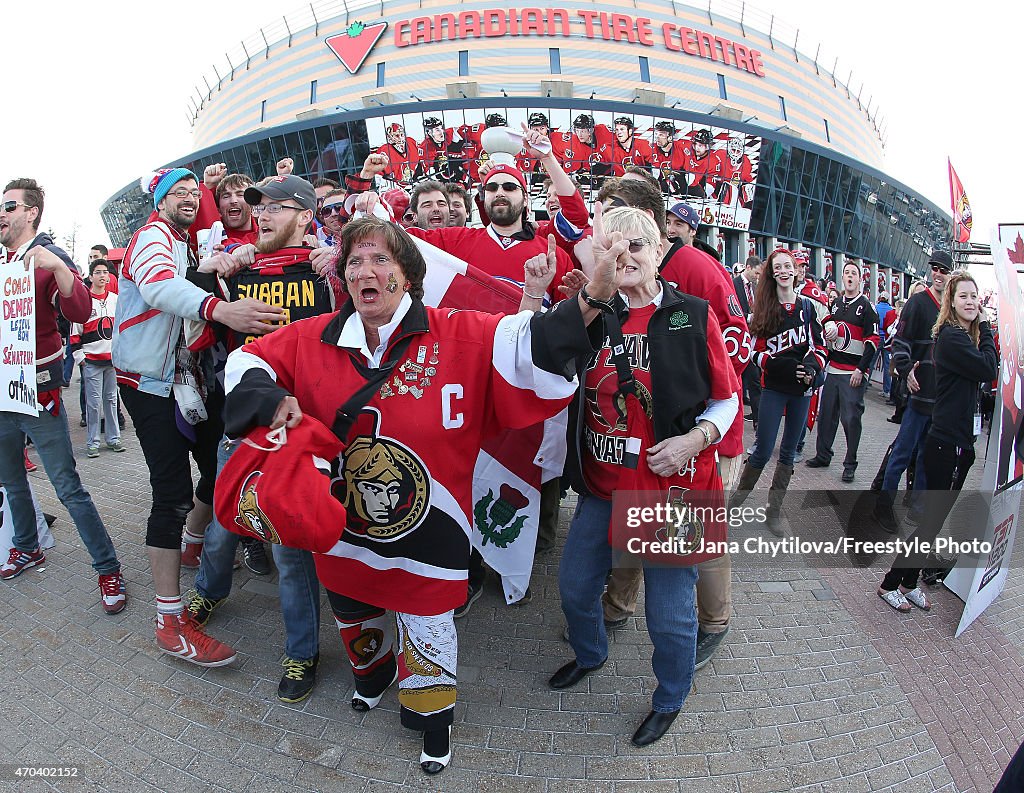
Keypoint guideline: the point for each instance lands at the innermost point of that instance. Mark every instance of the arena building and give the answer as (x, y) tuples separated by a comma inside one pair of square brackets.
[(719, 103)]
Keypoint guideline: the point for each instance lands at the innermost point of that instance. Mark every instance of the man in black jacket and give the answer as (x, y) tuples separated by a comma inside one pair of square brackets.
[(912, 358), (746, 288)]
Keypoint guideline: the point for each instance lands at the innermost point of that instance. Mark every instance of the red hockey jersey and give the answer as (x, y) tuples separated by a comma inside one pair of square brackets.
[(406, 474)]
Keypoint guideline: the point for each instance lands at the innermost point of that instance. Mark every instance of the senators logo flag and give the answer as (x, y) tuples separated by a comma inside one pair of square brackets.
[(962, 216)]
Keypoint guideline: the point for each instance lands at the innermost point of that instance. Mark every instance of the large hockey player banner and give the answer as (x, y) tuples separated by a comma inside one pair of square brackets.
[(980, 584), (713, 169), (18, 338), (512, 465)]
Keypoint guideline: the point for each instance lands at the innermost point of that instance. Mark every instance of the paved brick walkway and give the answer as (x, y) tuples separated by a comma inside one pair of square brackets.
[(818, 687)]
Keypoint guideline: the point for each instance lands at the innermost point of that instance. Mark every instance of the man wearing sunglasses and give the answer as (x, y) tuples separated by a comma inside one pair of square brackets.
[(912, 358), (167, 383), (59, 289), (333, 217)]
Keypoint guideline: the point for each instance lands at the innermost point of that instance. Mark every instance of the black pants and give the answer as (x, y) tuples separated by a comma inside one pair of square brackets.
[(167, 451), (752, 388), (946, 466)]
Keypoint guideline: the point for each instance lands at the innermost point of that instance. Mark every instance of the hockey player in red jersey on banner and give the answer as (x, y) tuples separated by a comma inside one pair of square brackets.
[(586, 150), (851, 332), (443, 157), (473, 151), (420, 382), (698, 164), (627, 149), (402, 154), (527, 164), (669, 156), (732, 174)]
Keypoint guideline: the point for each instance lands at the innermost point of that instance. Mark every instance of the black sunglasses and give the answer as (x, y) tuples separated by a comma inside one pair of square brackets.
[(332, 209), (938, 268), (637, 245), (10, 206), (508, 187)]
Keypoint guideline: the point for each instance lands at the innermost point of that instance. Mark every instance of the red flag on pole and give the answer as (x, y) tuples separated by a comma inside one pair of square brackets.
[(962, 217)]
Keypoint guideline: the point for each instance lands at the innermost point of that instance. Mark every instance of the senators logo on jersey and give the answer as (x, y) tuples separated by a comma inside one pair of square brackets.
[(612, 414), (250, 517), (382, 483)]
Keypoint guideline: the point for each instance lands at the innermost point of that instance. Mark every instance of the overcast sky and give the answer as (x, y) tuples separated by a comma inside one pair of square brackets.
[(95, 93)]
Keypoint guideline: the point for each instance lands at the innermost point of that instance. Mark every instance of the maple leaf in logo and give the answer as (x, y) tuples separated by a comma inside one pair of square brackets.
[(354, 44), (1016, 253)]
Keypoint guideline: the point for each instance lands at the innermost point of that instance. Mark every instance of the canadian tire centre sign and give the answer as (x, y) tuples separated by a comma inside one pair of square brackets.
[(354, 45)]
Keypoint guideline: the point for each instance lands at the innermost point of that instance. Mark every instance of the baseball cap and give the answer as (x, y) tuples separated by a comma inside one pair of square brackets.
[(941, 258), (281, 188), (687, 214)]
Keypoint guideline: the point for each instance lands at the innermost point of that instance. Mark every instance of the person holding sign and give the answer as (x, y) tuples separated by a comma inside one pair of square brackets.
[(58, 288)]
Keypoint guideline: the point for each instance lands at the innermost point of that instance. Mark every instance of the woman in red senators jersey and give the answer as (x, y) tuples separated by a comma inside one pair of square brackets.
[(437, 380), (790, 350)]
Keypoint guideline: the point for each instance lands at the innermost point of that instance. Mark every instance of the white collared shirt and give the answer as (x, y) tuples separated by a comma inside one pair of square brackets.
[(353, 335)]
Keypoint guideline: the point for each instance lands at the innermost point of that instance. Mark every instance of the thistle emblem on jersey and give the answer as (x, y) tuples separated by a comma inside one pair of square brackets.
[(250, 517), (499, 520)]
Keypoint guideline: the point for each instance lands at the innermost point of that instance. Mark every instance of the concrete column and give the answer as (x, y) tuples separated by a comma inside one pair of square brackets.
[(714, 235), (817, 262), (874, 282), (742, 245)]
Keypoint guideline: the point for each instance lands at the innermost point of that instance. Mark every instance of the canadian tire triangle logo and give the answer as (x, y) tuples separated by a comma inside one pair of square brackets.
[(355, 44)]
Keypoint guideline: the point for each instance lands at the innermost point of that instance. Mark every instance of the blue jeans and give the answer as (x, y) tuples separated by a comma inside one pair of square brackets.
[(670, 605), (69, 362), (770, 415), (913, 430), (49, 434), (886, 376), (298, 586)]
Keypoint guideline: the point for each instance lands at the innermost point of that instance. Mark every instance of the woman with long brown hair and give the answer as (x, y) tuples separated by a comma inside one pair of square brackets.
[(790, 350), (965, 357)]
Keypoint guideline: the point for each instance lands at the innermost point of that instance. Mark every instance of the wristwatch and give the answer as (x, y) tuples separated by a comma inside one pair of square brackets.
[(593, 302)]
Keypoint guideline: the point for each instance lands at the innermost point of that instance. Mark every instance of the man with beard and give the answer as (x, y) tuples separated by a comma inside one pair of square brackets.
[(429, 202), (402, 154), (223, 200), (171, 390), (627, 149), (280, 273), (59, 291)]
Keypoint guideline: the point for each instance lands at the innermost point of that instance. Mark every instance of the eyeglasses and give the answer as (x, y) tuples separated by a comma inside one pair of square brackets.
[(272, 209), (508, 187), (10, 206), (616, 201), (637, 245), (183, 192), (332, 209), (938, 268)]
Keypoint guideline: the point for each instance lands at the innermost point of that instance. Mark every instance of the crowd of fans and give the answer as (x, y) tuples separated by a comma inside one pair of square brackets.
[(248, 310)]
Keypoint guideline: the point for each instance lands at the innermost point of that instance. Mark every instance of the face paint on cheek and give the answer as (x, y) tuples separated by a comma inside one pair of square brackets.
[(351, 278), (392, 285)]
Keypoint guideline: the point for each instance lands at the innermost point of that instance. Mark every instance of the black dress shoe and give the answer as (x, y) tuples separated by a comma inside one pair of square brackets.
[(654, 727), (571, 674), (848, 474), (817, 462)]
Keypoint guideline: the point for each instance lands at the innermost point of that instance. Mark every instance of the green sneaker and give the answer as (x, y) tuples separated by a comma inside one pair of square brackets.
[(116, 446), (92, 450)]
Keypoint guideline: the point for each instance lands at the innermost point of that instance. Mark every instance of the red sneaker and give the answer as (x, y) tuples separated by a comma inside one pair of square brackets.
[(20, 561), (29, 465), (112, 593), (179, 635), (190, 553)]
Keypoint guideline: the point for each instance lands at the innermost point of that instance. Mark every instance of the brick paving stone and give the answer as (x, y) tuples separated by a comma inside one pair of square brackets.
[(817, 687)]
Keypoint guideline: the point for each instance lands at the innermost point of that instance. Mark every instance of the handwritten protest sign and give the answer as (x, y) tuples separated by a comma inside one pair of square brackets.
[(17, 338)]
